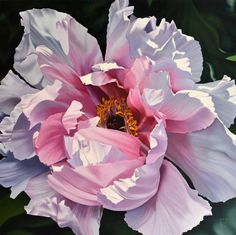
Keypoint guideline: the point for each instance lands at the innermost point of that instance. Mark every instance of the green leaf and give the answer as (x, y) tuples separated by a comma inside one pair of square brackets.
[(231, 58), (11, 207), (150, 2), (222, 222)]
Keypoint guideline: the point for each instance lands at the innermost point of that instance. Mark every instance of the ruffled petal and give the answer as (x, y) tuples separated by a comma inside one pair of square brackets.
[(22, 143), (16, 174), (208, 158), (118, 139), (71, 116), (82, 184), (84, 152), (46, 202), (175, 208), (223, 95), (117, 29), (138, 73), (184, 113), (158, 143), (59, 32), (170, 50), (130, 193), (11, 90), (49, 144)]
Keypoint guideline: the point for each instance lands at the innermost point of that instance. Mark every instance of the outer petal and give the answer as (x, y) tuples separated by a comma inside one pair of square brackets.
[(16, 174), (61, 34), (82, 184), (170, 50), (208, 158), (83, 220), (130, 193), (116, 32), (173, 210), (223, 95), (11, 90), (22, 138)]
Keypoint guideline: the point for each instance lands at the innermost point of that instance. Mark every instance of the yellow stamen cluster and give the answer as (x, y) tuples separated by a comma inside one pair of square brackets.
[(117, 107)]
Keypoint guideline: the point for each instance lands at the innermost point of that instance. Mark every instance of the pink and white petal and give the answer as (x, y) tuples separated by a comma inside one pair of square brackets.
[(208, 158), (158, 143), (118, 139), (54, 68), (223, 95), (97, 78), (81, 48), (174, 209), (61, 34), (39, 29), (49, 144), (117, 29), (185, 113), (86, 152), (16, 174), (82, 184), (130, 193), (138, 73), (169, 49), (137, 103), (179, 78), (46, 202), (106, 67), (29, 102), (11, 90), (71, 116), (187, 52)]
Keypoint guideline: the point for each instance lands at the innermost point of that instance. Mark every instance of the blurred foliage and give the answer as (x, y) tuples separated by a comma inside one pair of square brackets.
[(211, 22)]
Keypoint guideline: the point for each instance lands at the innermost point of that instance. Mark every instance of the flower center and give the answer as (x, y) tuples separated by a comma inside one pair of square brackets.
[(115, 114)]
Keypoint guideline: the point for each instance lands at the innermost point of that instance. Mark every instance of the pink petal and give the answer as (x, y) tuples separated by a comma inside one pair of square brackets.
[(46, 202), (71, 116), (127, 143), (158, 143), (208, 158), (55, 68), (49, 144), (81, 48), (186, 114), (129, 193), (138, 73), (82, 184), (85, 152), (175, 208)]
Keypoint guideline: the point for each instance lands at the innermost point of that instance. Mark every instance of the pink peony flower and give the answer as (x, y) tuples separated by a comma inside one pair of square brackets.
[(82, 133)]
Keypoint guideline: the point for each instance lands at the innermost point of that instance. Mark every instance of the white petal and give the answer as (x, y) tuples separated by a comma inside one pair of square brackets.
[(223, 95)]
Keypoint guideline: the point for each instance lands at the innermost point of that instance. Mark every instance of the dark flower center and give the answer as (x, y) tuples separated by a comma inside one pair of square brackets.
[(115, 114)]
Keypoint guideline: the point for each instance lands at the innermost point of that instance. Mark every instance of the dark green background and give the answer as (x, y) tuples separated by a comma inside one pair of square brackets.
[(211, 22)]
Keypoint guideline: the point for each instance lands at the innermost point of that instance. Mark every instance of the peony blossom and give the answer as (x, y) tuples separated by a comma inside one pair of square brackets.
[(82, 132)]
